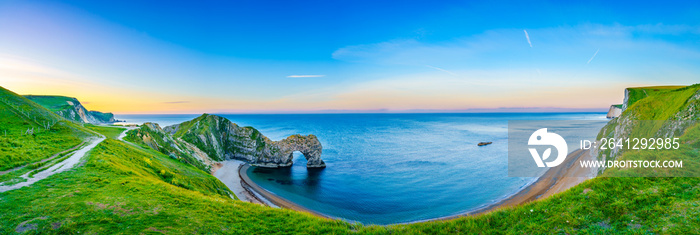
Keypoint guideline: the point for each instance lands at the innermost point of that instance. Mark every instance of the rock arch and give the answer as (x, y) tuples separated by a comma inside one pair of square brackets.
[(309, 146)]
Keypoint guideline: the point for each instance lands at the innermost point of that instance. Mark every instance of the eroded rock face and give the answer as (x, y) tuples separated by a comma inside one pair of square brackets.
[(281, 152), (221, 140)]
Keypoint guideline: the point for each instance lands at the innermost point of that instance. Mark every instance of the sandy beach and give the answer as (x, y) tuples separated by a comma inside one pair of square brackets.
[(554, 181), (228, 173), (551, 182)]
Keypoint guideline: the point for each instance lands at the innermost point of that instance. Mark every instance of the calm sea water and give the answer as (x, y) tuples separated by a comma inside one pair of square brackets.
[(392, 168)]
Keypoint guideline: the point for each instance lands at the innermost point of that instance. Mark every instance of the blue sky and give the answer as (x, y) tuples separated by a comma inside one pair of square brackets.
[(345, 56)]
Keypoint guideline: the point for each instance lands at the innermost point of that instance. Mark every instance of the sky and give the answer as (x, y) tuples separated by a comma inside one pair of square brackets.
[(346, 56)]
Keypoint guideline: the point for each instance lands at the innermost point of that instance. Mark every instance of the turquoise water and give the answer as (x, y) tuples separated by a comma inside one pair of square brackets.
[(393, 168)]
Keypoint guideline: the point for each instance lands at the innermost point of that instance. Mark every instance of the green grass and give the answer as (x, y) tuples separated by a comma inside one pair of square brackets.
[(637, 93), (127, 190), (53, 103), (159, 141), (107, 131), (17, 147)]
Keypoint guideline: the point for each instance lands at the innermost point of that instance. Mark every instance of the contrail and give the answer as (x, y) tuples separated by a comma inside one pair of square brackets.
[(305, 76), (528, 37), (444, 70), (594, 54)]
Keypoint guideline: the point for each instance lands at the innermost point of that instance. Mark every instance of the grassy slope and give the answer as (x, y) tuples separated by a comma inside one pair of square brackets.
[(108, 131), (638, 93), (164, 144), (18, 148), (125, 189), (53, 103)]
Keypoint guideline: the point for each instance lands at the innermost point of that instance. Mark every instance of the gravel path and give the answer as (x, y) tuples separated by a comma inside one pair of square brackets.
[(65, 165)]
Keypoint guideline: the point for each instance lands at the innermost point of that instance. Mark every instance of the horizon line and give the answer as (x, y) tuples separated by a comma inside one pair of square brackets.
[(437, 111)]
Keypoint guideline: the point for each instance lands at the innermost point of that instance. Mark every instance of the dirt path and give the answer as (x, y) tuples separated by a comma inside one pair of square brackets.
[(65, 165), (123, 134), (46, 159)]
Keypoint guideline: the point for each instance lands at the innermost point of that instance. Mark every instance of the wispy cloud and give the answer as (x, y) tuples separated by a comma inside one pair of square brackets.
[(305, 76), (594, 54), (527, 36), (176, 102), (441, 69)]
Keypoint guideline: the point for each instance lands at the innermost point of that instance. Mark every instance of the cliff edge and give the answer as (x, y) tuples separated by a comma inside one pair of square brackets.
[(70, 108)]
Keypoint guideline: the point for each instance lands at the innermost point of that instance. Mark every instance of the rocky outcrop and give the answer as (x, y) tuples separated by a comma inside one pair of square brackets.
[(280, 153), (71, 109), (221, 140), (153, 136), (614, 111)]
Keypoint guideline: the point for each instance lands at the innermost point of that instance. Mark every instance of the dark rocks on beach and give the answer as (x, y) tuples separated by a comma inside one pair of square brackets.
[(484, 143)]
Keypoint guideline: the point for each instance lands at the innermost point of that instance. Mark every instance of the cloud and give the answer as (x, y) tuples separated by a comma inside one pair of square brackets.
[(176, 102), (594, 54), (527, 36), (305, 76)]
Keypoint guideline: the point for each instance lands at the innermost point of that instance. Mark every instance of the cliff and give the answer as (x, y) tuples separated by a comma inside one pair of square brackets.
[(634, 94), (221, 140), (71, 109), (614, 111), (655, 112)]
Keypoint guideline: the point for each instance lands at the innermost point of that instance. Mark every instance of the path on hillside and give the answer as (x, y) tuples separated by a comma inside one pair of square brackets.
[(65, 165), (123, 134), (47, 159)]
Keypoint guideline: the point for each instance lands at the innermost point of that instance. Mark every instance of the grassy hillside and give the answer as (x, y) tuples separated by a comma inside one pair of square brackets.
[(30, 133), (128, 190), (637, 93), (53, 103), (151, 135)]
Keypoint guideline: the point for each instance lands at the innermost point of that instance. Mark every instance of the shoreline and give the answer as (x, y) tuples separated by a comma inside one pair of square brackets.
[(553, 181), (273, 198), (227, 173)]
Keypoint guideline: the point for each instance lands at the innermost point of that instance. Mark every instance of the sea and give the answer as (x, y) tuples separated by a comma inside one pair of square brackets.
[(392, 168)]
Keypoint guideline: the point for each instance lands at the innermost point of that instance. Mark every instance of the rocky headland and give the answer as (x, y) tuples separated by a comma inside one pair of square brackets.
[(210, 138), (71, 109)]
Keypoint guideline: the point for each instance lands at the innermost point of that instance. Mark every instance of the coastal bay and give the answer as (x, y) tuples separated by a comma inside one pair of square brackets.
[(391, 168), (553, 181)]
